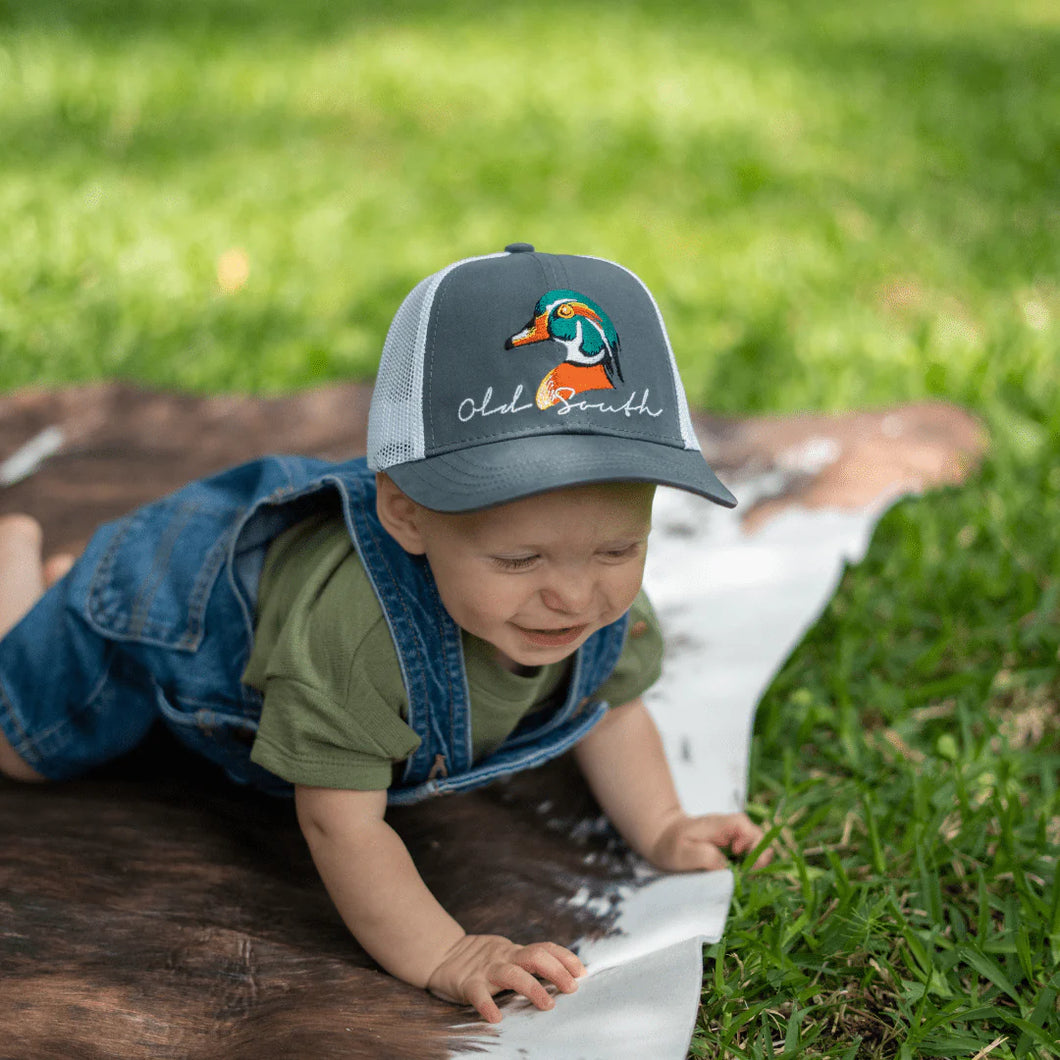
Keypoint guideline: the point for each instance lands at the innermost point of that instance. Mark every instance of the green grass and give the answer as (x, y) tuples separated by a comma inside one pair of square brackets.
[(910, 749), (837, 205)]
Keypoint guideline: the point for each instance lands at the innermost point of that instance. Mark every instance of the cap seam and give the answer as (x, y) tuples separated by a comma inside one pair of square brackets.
[(502, 476), (440, 292), (536, 432), (684, 413)]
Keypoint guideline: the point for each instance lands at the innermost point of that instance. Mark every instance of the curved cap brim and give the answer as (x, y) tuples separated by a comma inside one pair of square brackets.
[(483, 476)]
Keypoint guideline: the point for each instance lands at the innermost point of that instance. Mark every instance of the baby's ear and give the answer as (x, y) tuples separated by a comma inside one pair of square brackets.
[(398, 513)]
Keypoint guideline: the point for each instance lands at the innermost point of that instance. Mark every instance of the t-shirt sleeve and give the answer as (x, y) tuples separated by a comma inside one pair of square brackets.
[(333, 696), (306, 737), (640, 663)]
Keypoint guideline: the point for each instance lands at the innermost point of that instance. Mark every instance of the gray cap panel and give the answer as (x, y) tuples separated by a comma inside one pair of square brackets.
[(477, 391)]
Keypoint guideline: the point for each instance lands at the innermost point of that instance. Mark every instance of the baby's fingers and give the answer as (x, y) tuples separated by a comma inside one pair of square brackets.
[(748, 837), (542, 960), (507, 977), (763, 859), (699, 855), (482, 1000), (553, 963)]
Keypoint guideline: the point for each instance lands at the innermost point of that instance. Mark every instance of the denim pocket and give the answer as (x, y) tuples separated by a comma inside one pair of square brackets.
[(224, 738), (154, 570)]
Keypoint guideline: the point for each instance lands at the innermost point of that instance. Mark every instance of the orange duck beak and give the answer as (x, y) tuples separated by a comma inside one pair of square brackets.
[(535, 331)]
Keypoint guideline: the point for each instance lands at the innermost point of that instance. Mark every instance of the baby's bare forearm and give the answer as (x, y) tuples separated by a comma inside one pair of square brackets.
[(625, 766), (377, 890), (382, 899)]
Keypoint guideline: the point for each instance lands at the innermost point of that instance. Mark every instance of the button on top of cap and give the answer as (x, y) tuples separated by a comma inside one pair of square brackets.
[(520, 248)]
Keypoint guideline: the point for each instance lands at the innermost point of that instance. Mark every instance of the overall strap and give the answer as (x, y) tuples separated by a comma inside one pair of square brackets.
[(537, 740), (426, 638)]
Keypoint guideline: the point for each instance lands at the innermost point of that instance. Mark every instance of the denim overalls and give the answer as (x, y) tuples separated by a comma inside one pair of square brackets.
[(157, 617)]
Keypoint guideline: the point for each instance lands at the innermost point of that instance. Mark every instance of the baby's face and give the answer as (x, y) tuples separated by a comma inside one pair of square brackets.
[(537, 577)]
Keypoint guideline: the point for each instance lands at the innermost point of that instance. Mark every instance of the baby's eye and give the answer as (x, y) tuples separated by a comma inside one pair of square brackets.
[(622, 552), (514, 562)]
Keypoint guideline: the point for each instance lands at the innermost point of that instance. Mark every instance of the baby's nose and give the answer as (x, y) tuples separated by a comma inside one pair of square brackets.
[(571, 592)]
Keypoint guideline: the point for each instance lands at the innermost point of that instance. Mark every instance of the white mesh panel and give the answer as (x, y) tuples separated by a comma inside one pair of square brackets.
[(395, 418), (688, 432)]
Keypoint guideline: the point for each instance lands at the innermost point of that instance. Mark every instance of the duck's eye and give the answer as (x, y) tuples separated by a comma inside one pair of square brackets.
[(565, 310)]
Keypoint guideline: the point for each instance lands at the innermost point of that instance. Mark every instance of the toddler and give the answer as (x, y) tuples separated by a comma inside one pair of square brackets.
[(463, 604)]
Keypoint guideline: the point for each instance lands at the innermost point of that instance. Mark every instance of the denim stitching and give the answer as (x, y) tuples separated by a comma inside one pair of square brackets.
[(96, 605), (141, 609), (200, 592), (16, 722), (29, 747)]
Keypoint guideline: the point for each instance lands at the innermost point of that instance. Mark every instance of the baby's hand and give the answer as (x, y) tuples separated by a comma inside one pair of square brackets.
[(696, 843), (479, 966)]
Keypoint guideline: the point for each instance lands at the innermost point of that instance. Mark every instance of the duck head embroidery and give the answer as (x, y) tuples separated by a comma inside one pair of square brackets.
[(579, 325)]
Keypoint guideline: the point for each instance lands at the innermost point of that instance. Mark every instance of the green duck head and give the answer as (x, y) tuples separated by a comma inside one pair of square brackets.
[(578, 324)]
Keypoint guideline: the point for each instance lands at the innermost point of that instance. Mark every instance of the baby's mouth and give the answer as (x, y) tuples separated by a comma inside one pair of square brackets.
[(552, 638)]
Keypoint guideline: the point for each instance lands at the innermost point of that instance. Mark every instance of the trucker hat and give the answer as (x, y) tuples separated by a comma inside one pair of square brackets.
[(515, 373)]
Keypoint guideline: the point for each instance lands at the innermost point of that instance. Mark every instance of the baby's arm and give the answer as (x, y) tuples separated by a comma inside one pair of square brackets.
[(377, 890), (623, 762)]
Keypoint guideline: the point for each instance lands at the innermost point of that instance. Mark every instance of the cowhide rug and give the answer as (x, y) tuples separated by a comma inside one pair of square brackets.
[(153, 910)]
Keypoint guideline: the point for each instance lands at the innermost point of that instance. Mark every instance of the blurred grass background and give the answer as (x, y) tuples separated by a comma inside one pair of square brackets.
[(836, 205)]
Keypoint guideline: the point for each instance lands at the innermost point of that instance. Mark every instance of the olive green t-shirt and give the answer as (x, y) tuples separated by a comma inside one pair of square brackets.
[(335, 702)]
